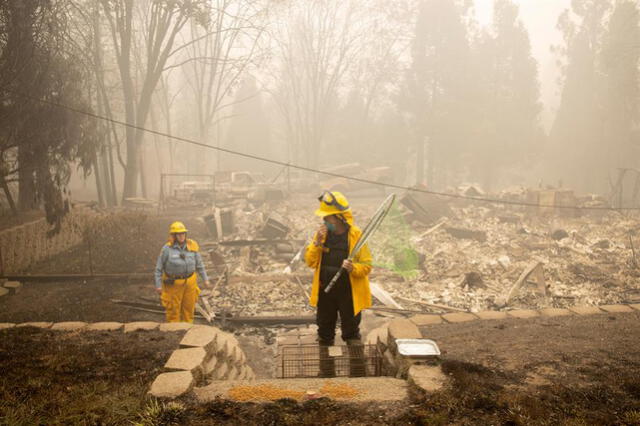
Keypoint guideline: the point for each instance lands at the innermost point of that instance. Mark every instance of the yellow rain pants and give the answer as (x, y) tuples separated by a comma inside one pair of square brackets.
[(179, 299)]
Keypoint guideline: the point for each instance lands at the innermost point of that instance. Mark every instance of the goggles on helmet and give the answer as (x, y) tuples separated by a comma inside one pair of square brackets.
[(329, 199)]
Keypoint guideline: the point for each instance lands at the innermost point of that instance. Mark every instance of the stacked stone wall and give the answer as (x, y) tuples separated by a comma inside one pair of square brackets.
[(24, 245)]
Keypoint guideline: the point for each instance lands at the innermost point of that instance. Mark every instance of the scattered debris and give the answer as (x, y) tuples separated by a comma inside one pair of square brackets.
[(469, 234)]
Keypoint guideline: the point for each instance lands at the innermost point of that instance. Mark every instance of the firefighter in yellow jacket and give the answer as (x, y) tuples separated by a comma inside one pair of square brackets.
[(328, 252), (175, 275)]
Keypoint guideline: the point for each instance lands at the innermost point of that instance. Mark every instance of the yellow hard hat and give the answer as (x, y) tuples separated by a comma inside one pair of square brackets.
[(177, 228), (332, 202)]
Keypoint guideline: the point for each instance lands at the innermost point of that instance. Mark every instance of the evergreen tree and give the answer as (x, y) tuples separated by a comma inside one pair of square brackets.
[(507, 97), (575, 154)]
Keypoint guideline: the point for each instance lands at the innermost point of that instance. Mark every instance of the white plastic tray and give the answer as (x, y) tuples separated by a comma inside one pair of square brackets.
[(417, 347)]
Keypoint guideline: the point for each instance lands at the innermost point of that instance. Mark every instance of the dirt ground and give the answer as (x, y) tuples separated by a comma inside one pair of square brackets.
[(547, 371), (51, 377)]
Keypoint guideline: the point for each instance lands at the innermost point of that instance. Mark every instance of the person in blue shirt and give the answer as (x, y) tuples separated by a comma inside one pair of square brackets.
[(175, 275)]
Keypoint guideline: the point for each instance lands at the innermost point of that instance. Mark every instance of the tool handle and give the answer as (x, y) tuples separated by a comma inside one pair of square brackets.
[(334, 280)]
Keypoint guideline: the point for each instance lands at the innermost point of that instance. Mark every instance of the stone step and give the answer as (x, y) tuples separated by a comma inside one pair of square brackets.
[(366, 389)]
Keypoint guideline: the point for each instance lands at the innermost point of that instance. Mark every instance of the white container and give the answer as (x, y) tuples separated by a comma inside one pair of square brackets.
[(417, 347)]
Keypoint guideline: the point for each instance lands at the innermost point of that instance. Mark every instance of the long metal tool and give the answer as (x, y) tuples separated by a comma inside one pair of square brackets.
[(368, 231)]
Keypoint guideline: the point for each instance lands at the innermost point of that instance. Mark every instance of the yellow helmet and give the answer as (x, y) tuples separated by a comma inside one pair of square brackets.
[(177, 228), (332, 202)]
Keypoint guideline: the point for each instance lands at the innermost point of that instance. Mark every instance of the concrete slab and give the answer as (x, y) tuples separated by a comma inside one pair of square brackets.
[(616, 308), (5, 325), (172, 385), (201, 336), (401, 328), (491, 315), (427, 377), (422, 319), (555, 312), (69, 326), (13, 286), (365, 389), (523, 313), (459, 317), (189, 359), (175, 326), (140, 326), (585, 310), (36, 324), (105, 326)]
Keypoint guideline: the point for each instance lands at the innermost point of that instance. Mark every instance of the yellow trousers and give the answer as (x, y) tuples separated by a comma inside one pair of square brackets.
[(179, 299)]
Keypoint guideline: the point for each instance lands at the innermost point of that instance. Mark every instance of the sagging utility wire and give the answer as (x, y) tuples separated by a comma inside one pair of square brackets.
[(312, 170)]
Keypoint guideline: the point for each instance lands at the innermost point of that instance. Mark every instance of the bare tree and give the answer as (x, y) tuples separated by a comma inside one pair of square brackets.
[(217, 57), (162, 22), (316, 44)]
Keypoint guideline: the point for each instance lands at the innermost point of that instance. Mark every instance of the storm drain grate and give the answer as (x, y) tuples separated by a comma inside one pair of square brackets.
[(312, 361)]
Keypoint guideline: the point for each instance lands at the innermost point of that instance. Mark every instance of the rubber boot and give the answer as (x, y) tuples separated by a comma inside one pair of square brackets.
[(357, 364), (327, 363)]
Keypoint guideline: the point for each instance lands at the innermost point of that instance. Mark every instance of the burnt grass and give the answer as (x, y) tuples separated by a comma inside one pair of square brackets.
[(49, 377)]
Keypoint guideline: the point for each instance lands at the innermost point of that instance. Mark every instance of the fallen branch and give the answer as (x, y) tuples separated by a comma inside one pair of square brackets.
[(432, 305)]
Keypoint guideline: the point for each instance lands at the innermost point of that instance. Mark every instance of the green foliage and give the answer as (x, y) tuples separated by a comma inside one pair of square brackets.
[(391, 245)]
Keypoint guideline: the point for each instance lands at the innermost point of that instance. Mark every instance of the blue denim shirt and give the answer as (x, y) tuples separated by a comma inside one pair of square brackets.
[(171, 263)]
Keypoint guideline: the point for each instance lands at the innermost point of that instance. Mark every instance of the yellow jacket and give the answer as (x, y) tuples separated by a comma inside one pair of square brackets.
[(359, 277)]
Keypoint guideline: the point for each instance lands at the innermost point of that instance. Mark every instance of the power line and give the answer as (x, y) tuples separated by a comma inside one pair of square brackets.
[(312, 170)]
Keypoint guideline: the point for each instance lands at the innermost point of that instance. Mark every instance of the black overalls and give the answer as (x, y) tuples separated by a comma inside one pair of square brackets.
[(339, 299)]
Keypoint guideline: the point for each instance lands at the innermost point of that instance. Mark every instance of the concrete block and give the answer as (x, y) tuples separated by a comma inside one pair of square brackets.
[(616, 308), (175, 326), (69, 326), (421, 319), (105, 326), (172, 385), (226, 345), (36, 324), (554, 312), (523, 313), (586, 310), (458, 317), (189, 359), (491, 315), (13, 286), (308, 339), (401, 328), (221, 371), (376, 335), (140, 325), (427, 377), (201, 337), (210, 365), (5, 325), (287, 340), (3, 291), (233, 374)]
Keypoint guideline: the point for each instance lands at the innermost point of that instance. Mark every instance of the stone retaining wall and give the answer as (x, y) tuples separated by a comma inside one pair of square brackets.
[(206, 354), (24, 245)]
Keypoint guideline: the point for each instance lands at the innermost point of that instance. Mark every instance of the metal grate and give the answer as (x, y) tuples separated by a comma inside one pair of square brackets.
[(312, 361)]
